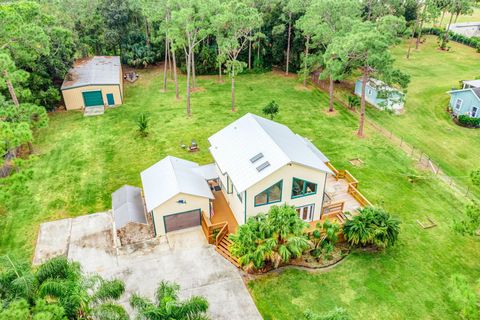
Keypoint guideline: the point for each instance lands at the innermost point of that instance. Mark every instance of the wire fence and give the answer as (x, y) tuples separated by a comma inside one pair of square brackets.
[(423, 160)]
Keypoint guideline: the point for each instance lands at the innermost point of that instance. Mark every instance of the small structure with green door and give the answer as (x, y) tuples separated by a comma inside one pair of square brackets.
[(95, 82)]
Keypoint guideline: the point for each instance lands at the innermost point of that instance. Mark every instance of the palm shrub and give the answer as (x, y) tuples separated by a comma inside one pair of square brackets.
[(353, 102), (168, 306), (271, 109), (324, 238), (373, 226), (273, 238), (143, 122)]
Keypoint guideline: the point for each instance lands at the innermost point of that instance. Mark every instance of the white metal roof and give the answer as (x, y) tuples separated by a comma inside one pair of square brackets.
[(234, 147), (473, 83), (127, 206), (169, 177), (208, 171), (97, 70)]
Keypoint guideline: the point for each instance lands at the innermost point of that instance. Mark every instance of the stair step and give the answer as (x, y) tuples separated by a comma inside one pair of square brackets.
[(228, 256)]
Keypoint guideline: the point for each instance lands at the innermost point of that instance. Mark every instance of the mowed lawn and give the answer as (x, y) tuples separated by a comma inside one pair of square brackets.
[(81, 161), (426, 123)]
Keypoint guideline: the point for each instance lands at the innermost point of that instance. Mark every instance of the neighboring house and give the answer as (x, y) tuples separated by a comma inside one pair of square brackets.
[(466, 101), (468, 29), (380, 95), (258, 163), (94, 82)]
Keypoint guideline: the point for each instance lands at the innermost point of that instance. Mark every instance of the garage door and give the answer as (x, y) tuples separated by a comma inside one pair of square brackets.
[(92, 98), (182, 220)]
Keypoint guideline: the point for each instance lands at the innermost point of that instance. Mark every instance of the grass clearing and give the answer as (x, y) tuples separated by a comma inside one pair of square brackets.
[(81, 161)]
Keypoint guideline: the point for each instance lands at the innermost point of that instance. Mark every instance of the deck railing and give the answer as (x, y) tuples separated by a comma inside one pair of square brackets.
[(211, 230), (221, 234), (333, 208), (352, 185)]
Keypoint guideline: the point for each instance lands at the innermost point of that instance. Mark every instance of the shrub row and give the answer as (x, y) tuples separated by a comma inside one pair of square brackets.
[(473, 42), (469, 121)]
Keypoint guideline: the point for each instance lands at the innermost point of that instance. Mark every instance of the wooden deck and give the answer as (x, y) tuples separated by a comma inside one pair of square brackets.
[(337, 191), (222, 212)]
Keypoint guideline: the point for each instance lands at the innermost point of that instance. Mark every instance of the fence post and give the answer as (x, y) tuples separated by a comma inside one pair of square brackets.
[(413, 150), (401, 141), (468, 190)]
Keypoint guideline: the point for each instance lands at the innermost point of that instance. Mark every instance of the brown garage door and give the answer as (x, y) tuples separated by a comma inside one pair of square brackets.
[(182, 220)]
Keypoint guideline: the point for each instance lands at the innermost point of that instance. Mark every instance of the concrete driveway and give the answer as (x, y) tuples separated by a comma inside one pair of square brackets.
[(183, 257)]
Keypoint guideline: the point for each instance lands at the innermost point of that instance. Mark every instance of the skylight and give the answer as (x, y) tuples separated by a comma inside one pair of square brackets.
[(256, 157), (263, 166)]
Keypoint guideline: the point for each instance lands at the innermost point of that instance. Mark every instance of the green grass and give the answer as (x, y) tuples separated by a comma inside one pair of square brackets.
[(81, 161), (426, 124)]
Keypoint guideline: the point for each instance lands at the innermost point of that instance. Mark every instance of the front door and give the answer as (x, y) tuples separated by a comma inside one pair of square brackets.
[(306, 212), (110, 99)]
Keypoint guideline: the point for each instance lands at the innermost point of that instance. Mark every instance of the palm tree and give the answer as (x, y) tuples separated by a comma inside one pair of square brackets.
[(373, 226), (276, 238), (167, 306)]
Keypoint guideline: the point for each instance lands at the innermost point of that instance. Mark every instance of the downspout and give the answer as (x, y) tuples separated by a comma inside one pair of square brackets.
[(245, 208), (323, 195), (154, 226)]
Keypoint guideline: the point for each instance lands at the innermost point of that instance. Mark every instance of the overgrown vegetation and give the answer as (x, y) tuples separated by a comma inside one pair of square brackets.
[(469, 121)]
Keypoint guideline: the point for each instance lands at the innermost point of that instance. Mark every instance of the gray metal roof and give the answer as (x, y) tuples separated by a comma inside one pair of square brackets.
[(171, 176), (97, 70), (127, 206), (234, 147)]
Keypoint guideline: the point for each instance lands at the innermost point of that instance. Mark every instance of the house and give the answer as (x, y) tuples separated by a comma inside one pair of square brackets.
[(258, 163), (468, 29), (94, 82), (466, 101), (380, 95)]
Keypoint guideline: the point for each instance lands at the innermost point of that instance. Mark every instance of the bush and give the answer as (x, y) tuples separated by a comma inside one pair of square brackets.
[(467, 121), (143, 122), (271, 109), (373, 226)]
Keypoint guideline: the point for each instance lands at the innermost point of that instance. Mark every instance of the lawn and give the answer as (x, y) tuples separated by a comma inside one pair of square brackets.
[(81, 161), (426, 124)]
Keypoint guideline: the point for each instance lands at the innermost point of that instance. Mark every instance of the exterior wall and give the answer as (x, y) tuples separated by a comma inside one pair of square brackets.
[(172, 206), (242, 209), (74, 99), (469, 101), (394, 103), (237, 206)]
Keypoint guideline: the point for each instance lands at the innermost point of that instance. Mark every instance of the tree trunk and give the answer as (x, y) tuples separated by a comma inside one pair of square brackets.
[(249, 54), (169, 61), (330, 93), (189, 62), (362, 103), (288, 41), (194, 83), (419, 34), (11, 90), (305, 76), (165, 65), (175, 74), (258, 52), (147, 32), (441, 19), (445, 38), (456, 17), (411, 38), (233, 90)]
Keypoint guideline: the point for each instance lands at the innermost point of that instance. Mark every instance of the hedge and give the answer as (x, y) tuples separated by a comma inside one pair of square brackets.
[(469, 121), (473, 42)]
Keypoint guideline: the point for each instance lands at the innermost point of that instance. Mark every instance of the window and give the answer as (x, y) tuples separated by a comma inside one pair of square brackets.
[(301, 188), (458, 104), (474, 112), (369, 92), (306, 212), (271, 195)]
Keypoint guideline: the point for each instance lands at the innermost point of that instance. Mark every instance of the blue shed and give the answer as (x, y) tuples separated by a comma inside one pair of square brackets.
[(380, 95), (466, 101)]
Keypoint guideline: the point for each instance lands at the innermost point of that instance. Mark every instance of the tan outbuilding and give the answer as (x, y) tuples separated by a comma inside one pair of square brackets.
[(94, 82)]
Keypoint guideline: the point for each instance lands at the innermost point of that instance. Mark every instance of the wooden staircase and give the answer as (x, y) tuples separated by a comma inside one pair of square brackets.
[(223, 249), (341, 217)]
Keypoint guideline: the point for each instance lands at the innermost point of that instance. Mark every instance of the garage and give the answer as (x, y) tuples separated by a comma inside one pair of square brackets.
[(92, 98), (182, 220)]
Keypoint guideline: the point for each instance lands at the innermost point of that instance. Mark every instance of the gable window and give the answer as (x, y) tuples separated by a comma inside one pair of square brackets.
[(369, 91), (270, 195), (302, 188), (474, 112), (458, 104)]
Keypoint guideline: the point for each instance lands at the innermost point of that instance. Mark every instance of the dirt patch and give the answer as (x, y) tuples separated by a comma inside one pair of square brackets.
[(280, 72), (330, 113), (134, 233), (197, 89), (96, 241), (301, 87)]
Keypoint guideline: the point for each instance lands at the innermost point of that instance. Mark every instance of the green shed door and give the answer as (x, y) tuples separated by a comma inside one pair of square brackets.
[(110, 99), (92, 98)]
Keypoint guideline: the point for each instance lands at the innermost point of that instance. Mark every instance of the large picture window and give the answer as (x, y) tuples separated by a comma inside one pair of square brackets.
[(301, 188), (270, 195)]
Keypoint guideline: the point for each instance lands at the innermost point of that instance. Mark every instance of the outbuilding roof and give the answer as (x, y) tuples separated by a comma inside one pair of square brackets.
[(171, 176), (473, 83), (97, 70), (127, 206), (475, 91), (252, 147)]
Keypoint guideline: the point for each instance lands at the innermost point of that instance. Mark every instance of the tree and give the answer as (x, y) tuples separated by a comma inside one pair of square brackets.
[(455, 8), (168, 306), (273, 238), (271, 109), (190, 25), (366, 47), (235, 22)]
